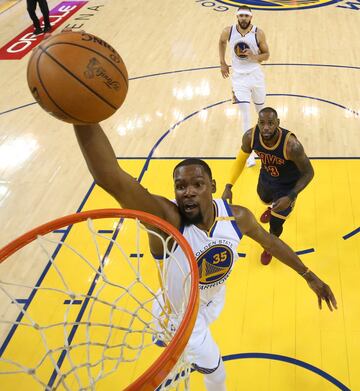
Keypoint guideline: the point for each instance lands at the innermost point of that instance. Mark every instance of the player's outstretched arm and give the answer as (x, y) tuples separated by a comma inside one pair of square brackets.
[(250, 227), (107, 173)]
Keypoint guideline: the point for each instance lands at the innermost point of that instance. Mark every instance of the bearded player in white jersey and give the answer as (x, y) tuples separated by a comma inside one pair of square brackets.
[(213, 229), (248, 49)]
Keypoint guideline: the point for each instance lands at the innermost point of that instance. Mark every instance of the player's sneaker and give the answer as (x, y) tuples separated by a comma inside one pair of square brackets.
[(265, 258), (250, 162), (37, 31), (47, 29), (265, 217)]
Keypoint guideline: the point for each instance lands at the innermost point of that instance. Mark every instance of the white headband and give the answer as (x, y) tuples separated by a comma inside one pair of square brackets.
[(243, 12)]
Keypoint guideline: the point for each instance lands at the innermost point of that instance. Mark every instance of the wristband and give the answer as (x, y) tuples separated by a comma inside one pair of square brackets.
[(307, 271)]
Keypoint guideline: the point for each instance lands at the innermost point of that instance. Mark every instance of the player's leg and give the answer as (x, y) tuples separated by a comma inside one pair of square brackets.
[(202, 349), (45, 11), (31, 7), (265, 193), (208, 361), (215, 381), (241, 97), (258, 90), (276, 225), (264, 190), (277, 220)]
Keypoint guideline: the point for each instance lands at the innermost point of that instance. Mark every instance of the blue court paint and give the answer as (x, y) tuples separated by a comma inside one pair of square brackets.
[(318, 99), (41, 278), (87, 195), (265, 64), (279, 357), (21, 301), (84, 305), (31, 296), (352, 233), (60, 231), (208, 68), (158, 142), (105, 231), (172, 72), (286, 64), (17, 108), (290, 360), (74, 302), (307, 251)]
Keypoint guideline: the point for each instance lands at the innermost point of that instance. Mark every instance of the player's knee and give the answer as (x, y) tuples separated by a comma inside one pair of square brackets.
[(264, 195), (259, 106), (244, 108), (204, 371), (209, 371), (218, 374)]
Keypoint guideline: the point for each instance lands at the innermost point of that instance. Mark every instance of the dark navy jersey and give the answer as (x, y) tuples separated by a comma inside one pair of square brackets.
[(275, 166)]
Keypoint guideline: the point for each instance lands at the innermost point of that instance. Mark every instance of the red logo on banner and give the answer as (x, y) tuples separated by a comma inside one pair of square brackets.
[(26, 41)]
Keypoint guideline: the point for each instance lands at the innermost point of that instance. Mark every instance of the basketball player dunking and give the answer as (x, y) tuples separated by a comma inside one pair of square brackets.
[(213, 229)]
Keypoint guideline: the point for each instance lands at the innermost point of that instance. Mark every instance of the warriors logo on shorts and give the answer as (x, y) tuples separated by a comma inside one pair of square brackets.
[(215, 265)]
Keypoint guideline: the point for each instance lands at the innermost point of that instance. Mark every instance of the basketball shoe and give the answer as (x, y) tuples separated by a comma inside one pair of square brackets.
[(37, 31), (265, 217), (265, 258), (47, 29)]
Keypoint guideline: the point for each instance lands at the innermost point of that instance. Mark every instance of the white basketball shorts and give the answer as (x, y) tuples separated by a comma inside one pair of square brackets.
[(248, 86), (201, 348)]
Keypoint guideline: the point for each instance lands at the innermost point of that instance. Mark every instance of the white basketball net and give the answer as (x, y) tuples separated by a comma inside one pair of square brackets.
[(95, 320)]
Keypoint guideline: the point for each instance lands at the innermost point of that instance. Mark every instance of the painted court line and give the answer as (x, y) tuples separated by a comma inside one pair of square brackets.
[(352, 233), (290, 360), (302, 252)]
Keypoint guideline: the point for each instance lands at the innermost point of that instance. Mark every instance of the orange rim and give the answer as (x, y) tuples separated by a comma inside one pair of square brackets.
[(158, 371)]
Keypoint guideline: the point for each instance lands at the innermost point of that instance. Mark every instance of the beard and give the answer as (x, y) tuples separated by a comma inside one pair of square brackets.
[(244, 25), (191, 220), (271, 137)]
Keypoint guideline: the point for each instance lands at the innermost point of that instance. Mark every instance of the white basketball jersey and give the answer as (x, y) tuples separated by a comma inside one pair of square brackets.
[(215, 252), (238, 43)]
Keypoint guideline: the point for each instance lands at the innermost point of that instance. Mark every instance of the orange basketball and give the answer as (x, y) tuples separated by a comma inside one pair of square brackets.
[(77, 77)]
